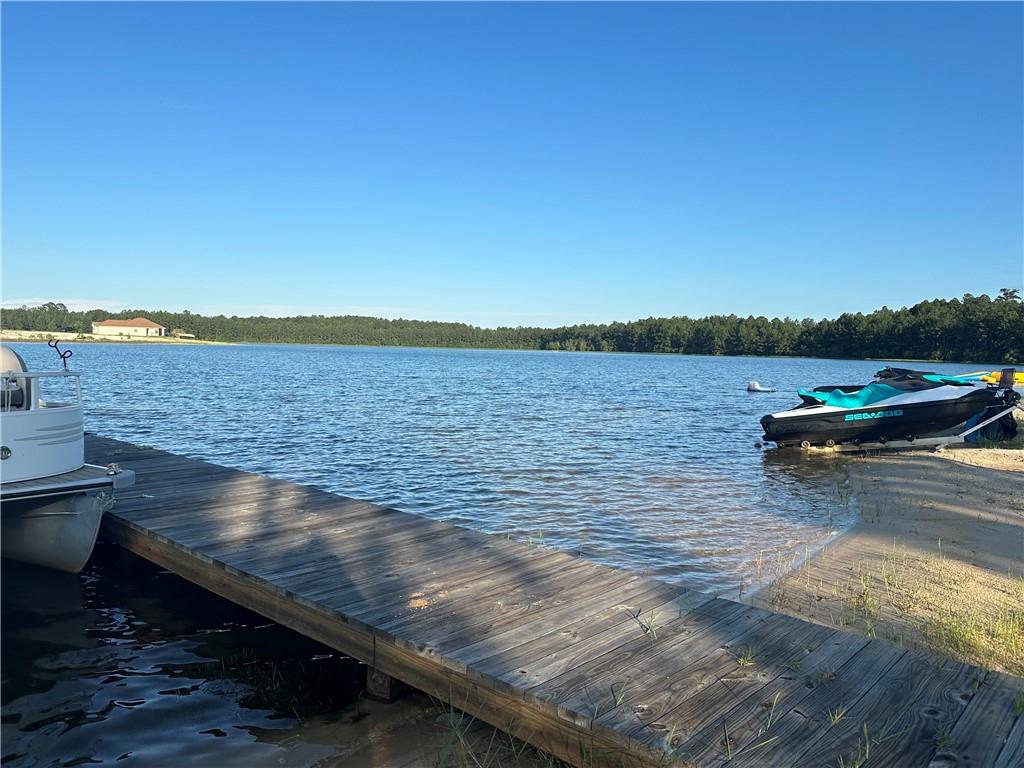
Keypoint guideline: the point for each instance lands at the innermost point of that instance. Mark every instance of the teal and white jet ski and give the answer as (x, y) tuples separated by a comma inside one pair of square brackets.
[(900, 404)]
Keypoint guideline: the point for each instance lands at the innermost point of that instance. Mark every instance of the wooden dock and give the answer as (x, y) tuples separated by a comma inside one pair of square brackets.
[(594, 665)]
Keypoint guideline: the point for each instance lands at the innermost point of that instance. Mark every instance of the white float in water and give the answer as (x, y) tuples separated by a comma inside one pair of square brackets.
[(756, 386)]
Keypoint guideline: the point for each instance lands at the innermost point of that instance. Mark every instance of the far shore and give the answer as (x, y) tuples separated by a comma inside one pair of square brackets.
[(19, 335), (935, 561), (12, 335)]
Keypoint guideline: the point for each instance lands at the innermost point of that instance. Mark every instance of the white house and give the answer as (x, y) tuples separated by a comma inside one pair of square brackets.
[(138, 326)]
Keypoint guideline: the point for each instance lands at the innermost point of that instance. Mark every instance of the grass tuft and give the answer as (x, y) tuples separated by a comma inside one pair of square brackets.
[(649, 623), (745, 656)]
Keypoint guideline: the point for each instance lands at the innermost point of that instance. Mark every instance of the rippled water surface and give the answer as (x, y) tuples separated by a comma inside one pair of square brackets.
[(129, 664), (644, 462)]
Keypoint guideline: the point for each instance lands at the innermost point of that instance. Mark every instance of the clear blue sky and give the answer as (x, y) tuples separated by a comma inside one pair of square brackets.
[(511, 163)]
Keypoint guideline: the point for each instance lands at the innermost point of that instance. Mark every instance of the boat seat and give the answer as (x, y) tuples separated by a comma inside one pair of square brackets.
[(12, 388), (12, 396), (860, 398)]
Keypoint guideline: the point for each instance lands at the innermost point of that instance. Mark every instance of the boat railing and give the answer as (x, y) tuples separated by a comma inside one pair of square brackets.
[(23, 390)]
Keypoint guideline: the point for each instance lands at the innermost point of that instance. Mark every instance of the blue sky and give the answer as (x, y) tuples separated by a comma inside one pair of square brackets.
[(511, 163)]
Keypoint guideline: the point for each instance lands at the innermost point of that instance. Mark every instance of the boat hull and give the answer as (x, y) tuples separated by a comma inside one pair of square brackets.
[(55, 531), (875, 423)]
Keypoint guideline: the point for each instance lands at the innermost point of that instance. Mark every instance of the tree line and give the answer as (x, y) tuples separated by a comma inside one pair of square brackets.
[(975, 328)]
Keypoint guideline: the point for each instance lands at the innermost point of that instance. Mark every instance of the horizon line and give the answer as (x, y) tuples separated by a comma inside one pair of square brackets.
[(114, 307)]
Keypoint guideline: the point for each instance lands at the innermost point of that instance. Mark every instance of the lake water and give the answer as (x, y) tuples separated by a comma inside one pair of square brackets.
[(643, 462)]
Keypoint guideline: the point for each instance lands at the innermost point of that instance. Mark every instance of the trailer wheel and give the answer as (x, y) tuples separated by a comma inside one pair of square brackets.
[(830, 443), (883, 440), (805, 445), (911, 438)]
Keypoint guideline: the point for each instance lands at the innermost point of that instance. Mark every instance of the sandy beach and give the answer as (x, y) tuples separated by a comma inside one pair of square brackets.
[(935, 561)]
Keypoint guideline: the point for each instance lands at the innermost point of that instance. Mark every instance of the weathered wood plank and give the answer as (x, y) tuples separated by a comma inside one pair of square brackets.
[(328, 541), (171, 505), (810, 718), (681, 698), (905, 714), (867, 723), (1012, 754), (528, 644), (229, 528), (682, 639), (454, 603), (370, 599), (455, 624), (412, 568), (147, 504), (564, 625), (749, 721), (990, 709)]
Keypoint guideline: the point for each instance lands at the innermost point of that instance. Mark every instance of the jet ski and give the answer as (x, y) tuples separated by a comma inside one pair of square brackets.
[(900, 404)]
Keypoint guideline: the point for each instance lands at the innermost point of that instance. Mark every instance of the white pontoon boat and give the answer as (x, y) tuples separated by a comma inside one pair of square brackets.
[(51, 501)]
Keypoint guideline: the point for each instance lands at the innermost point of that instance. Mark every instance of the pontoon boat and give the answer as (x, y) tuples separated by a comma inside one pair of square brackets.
[(51, 501)]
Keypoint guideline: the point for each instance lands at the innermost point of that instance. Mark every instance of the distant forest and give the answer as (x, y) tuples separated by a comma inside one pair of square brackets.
[(972, 328)]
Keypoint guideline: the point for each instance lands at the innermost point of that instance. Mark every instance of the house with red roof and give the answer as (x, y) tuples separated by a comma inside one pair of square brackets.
[(139, 326)]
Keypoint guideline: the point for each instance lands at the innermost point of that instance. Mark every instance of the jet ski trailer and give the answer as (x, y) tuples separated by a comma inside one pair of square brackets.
[(900, 409)]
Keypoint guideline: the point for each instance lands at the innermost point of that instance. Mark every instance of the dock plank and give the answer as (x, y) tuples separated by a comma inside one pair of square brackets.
[(550, 647), (991, 708), (683, 698), (529, 643), (628, 645), (750, 718), (1012, 753), (810, 718), (563, 625), (904, 713)]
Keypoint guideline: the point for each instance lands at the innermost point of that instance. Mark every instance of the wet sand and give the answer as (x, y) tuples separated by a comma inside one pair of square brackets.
[(935, 561)]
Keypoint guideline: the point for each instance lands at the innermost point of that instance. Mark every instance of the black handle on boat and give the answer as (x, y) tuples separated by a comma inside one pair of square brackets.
[(62, 354)]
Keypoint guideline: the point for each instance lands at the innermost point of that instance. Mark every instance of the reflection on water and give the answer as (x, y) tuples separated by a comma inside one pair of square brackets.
[(129, 663)]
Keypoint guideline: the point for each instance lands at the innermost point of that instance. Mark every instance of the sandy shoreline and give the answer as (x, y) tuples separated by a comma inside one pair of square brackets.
[(89, 338), (935, 561)]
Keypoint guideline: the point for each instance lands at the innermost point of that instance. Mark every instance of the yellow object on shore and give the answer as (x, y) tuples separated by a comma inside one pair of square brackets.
[(992, 377)]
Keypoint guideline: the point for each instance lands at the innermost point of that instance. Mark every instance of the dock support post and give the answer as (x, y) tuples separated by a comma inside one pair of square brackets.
[(383, 687)]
